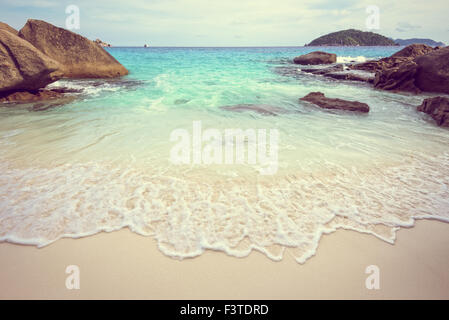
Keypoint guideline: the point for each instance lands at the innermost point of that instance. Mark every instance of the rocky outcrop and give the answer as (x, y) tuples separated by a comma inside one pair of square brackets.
[(351, 75), (79, 57), (400, 78), (415, 68), (315, 58), (405, 55), (438, 109), (320, 100), (4, 26), (22, 66), (29, 96), (433, 71), (101, 43), (412, 51), (338, 72)]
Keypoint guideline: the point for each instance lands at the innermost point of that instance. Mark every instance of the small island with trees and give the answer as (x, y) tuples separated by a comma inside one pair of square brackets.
[(352, 37)]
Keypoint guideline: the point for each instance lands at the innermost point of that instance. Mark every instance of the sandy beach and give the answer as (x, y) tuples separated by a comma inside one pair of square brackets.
[(123, 265), (233, 151)]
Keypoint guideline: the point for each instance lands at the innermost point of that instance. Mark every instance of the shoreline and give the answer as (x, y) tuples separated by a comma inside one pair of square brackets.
[(128, 266)]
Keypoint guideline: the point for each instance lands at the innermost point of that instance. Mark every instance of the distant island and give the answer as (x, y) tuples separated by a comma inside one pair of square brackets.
[(352, 37), (429, 42)]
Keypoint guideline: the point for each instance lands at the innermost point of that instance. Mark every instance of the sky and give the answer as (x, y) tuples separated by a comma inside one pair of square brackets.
[(232, 22)]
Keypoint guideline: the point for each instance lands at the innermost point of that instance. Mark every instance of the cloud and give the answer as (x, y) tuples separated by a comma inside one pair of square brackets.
[(32, 3), (262, 22), (405, 27)]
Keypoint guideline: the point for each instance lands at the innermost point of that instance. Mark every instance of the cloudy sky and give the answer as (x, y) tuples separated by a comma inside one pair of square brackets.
[(232, 22)]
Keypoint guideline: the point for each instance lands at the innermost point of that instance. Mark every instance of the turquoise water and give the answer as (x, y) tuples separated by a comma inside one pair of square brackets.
[(102, 162)]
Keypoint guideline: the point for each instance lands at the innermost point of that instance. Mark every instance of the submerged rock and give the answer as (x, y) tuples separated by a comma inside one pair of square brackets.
[(437, 108), (23, 67), (78, 56), (322, 71), (259, 108), (322, 101), (29, 96), (317, 57), (351, 75)]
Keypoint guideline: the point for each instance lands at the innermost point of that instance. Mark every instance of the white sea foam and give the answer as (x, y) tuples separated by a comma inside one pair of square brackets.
[(188, 214), (358, 59)]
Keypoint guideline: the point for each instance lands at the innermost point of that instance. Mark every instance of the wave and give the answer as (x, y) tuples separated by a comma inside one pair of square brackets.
[(188, 214), (348, 59)]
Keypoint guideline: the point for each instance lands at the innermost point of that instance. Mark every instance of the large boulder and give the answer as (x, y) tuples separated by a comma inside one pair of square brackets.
[(398, 78), (322, 101), (414, 69), (4, 26), (317, 57), (413, 51), (433, 71), (79, 56), (407, 54), (438, 109), (22, 66)]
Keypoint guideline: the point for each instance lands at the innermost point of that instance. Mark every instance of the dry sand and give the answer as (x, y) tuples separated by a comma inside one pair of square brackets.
[(125, 265)]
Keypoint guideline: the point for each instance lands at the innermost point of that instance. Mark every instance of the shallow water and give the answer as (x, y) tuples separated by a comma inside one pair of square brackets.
[(101, 163)]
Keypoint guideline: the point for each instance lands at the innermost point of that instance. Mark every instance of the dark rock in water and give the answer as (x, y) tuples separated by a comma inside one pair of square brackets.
[(433, 71), (121, 83), (351, 75), (42, 99), (322, 71), (181, 101), (50, 104), (369, 66), (263, 109), (320, 100), (407, 54), (337, 72), (66, 90), (78, 56), (317, 57), (437, 108), (22, 66), (400, 78), (30, 96)]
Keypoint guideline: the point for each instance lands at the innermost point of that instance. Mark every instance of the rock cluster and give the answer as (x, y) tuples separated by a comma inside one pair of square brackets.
[(315, 58), (322, 101), (438, 109), (41, 53)]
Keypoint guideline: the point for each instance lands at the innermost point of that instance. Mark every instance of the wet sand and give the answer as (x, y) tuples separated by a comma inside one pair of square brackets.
[(123, 265)]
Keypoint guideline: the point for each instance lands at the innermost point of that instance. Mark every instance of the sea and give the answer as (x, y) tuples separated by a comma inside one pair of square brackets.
[(104, 160)]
